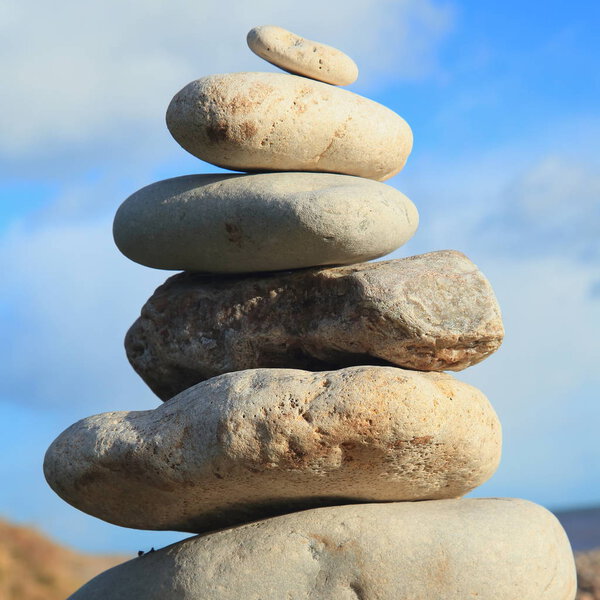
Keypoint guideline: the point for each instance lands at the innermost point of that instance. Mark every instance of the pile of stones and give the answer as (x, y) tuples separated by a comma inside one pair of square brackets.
[(309, 435)]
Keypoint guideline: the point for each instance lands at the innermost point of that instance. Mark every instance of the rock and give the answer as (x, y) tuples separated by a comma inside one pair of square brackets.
[(588, 575), (432, 312), (279, 122), (298, 55), (265, 222), (257, 443), (488, 549)]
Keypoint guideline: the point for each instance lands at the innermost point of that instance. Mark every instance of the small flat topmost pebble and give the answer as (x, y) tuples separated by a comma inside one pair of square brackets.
[(298, 55)]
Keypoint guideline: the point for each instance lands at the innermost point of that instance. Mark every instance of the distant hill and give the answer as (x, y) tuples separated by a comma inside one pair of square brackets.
[(582, 526), (34, 568)]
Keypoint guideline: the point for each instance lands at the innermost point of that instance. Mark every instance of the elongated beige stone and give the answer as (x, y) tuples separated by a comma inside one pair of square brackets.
[(280, 122), (264, 222), (298, 55), (488, 549), (432, 312), (256, 443)]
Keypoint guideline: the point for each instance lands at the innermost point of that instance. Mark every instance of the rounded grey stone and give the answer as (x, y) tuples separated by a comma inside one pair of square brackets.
[(257, 443), (280, 122), (484, 549), (296, 54), (263, 222)]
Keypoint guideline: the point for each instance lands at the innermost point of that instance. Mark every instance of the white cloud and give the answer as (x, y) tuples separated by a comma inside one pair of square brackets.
[(100, 74), (555, 205), (542, 192), (544, 380), (68, 298), (548, 312), (534, 197)]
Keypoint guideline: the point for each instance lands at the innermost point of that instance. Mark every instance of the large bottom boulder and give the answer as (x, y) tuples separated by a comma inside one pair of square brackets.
[(488, 549)]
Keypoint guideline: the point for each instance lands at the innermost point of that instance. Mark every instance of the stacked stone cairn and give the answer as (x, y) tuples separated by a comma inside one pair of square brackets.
[(309, 434)]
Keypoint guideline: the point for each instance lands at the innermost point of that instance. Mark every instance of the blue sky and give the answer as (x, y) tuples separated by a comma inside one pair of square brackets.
[(503, 100)]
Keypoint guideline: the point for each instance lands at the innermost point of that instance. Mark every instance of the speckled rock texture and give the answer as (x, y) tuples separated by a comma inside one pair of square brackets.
[(280, 122), (264, 222), (485, 549), (431, 312), (588, 575), (257, 443), (298, 55)]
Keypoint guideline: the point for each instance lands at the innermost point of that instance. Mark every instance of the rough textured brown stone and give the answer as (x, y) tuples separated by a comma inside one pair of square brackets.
[(588, 575), (280, 122), (431, 312), (480, 549), (256, 443)]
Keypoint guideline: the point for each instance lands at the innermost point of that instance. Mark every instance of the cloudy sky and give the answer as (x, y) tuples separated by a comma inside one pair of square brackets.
[(503, 101)]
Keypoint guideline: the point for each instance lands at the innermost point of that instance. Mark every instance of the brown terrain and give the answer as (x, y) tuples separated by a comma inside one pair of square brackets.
[(588, 575), (34, 568)]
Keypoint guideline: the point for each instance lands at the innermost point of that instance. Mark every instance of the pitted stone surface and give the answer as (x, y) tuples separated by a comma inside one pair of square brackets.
[(264, 222), (280, 122), (432, 312), (256, 443), (296, 54), (488, 549)]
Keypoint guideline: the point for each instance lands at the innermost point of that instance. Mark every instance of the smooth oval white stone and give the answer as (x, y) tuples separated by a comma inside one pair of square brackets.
[(263, 222), (479, 549), (256, 443), (280, 122), (298, 55)]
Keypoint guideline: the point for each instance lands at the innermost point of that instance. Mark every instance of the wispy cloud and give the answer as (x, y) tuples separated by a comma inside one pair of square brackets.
[(543, 381), (552, 208), (88, 78), (68, 298), (532, 197)]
